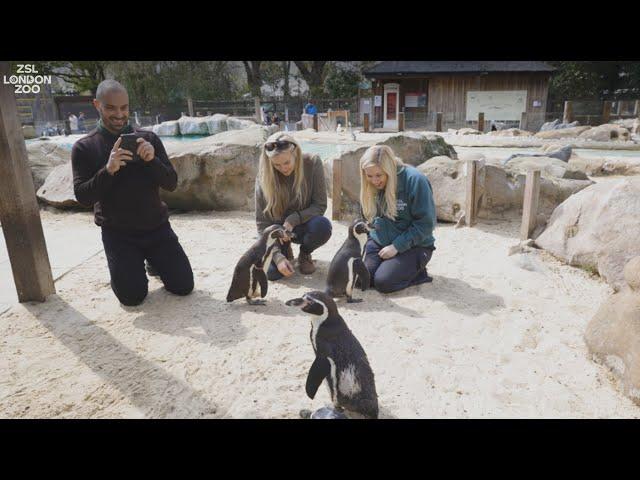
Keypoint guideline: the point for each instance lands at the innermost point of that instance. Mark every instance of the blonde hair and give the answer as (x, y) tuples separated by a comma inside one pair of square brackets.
[(272, 183), (383, 157)]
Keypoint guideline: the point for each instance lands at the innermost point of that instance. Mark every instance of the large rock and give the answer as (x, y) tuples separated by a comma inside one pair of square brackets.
[(193, 125), (57, 189), (511, 132), (550, 167), (217, 123), (556, 125), (44, 156), (216, 172), (499, 191), (29, 131), (167, 129), (563, 133), (602, 166), (613, 334), (467, 131), (415, 148), (605, 133), (234, 123), (597, 228)]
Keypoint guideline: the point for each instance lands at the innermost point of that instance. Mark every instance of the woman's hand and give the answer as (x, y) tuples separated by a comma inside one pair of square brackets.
[(285, 267), (388, 252), (288, 229)]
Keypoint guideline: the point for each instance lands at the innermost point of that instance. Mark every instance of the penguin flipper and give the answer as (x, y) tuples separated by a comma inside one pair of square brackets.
[(363, 272), (261, 277), (317, 373)]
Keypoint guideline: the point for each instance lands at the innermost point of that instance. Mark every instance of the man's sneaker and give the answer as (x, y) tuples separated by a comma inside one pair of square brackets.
[(305, 263), (152, 272)]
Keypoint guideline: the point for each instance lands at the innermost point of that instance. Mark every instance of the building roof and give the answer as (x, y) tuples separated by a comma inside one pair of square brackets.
[(414, 67)]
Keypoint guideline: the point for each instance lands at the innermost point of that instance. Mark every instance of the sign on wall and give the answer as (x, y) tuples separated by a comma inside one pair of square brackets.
[(496, 105), (377, 101)]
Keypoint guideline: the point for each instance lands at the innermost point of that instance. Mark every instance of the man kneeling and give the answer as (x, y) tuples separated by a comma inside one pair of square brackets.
[(124, 188)]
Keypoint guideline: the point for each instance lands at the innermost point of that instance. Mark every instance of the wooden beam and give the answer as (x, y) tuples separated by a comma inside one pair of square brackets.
[(472, 176), (606, 111), (336, 201), (438, 121), (401, 122), (190, 106), (315, 122), (366, 123), (530, 206), (19, 212), (636, 108), (481, 121), (523, 121), (568, 112)]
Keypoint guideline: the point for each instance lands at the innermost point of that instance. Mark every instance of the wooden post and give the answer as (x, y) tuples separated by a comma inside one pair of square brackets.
[(439, 122), (190, 106), (530, 206), (256, 104), (523, 121), (481, 121), (470, 211), (636, 108), (365, 123), (19, 212), (315, 122), (336, 201), (568, 112), (606, 111), (401, 122)]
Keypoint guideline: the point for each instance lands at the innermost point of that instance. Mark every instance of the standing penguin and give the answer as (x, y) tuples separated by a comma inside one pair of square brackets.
[(249, 273), (340, 359), (347, 264)]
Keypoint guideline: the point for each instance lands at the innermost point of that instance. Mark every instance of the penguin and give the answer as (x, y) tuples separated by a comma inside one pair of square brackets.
[(347, 264), (340, 360), (249, 273)]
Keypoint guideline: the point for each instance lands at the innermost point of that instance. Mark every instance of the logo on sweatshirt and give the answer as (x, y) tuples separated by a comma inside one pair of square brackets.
[(400, 205)]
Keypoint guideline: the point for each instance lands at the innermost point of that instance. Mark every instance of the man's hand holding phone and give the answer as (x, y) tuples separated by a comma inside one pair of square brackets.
[(118, 157)]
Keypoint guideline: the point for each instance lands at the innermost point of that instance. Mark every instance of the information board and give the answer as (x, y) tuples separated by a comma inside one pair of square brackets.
[(496, 105)]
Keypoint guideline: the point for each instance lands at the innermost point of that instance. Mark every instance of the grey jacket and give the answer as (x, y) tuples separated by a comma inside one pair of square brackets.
[(315, 201)]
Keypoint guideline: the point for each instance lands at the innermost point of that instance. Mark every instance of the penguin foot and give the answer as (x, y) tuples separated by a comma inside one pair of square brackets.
[(250, 301), (354, 300)]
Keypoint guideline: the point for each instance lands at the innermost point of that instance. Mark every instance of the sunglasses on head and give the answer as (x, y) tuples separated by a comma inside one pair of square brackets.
[(277, 145)]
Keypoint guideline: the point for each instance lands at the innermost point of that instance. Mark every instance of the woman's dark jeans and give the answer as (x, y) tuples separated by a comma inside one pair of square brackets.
[(402, 271)]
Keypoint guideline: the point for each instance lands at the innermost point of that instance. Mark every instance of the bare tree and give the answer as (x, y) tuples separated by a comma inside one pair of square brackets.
[(314, 73), (254, 80)]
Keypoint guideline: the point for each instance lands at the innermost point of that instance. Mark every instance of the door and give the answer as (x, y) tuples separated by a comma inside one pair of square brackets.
[(391, 100)]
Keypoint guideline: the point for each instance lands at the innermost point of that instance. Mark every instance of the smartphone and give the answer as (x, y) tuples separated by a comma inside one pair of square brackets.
[(129, 142)]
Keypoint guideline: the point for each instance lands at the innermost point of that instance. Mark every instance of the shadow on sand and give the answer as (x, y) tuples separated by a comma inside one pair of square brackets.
[(210, 320), (155, 392)]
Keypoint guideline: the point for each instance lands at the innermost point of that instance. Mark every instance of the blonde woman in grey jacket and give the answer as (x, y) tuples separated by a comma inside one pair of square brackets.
[(290, 190)]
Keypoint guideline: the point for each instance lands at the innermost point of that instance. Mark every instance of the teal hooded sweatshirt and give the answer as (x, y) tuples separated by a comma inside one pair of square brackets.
[(416, 213)]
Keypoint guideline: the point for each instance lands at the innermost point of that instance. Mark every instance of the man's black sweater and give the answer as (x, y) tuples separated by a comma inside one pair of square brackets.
[(130, 198)]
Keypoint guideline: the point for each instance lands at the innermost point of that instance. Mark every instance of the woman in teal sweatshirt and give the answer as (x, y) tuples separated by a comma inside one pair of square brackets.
[(398, 200)]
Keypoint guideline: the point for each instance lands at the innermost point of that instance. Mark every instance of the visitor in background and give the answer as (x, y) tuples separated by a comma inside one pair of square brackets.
[(73, 123), (81, 127)]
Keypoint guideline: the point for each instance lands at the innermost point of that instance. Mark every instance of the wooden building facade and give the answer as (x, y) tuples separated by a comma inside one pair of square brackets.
[(500, 90)]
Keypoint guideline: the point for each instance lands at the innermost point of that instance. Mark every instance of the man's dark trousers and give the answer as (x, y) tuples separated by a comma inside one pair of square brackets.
[(126, 253)]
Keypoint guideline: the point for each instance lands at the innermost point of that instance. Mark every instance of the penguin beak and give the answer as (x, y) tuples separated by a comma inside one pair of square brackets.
[(370, 226), (295, 302)]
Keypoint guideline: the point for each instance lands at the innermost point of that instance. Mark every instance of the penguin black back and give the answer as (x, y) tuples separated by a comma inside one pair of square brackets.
[(340, 358)]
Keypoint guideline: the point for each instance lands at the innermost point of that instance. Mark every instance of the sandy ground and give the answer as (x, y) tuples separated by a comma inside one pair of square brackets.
[(493, 336)]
